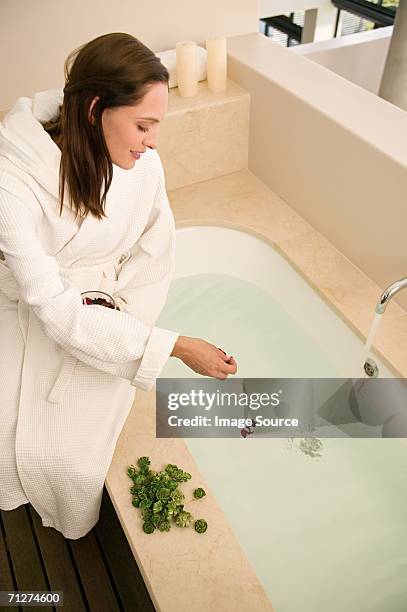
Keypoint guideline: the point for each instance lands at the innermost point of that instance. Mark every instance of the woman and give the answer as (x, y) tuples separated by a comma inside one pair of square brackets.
[(69, 368)]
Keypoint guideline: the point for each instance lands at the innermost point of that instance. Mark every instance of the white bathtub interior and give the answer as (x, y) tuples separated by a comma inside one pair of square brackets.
[(235, 290), (323, 532)]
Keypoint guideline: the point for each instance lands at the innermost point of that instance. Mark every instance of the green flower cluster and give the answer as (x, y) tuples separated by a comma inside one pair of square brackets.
[(159, 499), (201, 525), (199, 492)]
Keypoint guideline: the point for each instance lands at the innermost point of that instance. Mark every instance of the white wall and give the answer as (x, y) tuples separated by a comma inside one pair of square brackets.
[(270, 8), (360, 58), (37, 35)]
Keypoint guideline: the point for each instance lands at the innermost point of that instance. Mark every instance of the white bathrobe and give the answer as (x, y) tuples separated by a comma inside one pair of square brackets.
[(69, 371)]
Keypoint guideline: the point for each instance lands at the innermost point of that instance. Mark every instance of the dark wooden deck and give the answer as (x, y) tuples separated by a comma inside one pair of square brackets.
[(97, 572)]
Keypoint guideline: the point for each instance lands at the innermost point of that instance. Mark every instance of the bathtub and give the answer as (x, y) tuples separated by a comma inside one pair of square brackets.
[(323, 531), (258, 308)]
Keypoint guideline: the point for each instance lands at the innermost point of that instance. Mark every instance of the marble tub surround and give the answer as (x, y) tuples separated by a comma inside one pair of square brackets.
[(183, 570), (188, 571), (204, 136), (241, 201)]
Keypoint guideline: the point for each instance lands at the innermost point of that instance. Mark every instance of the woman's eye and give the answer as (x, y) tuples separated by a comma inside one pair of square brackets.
[(142, 129)]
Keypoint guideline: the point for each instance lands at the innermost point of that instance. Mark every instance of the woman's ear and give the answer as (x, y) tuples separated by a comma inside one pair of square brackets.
[(92, 104)]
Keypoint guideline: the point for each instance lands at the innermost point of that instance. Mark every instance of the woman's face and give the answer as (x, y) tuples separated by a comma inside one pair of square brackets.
[(134, 128)]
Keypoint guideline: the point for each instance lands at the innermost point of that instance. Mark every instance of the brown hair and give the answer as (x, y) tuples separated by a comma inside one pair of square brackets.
[(119, 69)]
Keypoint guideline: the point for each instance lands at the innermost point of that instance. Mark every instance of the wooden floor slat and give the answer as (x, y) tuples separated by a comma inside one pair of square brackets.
[(129, 583), (6, 578), (58, 564), (95, 579), (26, 560), (96, 573)]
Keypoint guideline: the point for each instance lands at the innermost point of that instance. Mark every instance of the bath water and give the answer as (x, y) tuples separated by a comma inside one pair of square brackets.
[(246, 322), (325, 531)]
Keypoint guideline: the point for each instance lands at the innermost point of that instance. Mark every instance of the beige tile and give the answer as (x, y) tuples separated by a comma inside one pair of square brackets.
[(205, 136), (204, 97), (183, 570), (238, 200)]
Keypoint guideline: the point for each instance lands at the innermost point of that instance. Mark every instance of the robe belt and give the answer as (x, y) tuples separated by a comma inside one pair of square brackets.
[(108, 282)]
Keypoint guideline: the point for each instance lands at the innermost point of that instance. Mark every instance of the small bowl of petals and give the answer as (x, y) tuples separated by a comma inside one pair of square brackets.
[(99, 298)]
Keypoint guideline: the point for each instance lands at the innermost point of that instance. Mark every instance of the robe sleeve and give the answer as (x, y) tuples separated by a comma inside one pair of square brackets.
[(114, 341)]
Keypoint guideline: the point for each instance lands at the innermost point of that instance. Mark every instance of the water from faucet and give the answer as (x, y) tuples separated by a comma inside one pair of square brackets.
[(369, 341)]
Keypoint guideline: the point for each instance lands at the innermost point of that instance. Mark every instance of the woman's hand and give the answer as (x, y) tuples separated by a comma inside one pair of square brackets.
[(204, 358)]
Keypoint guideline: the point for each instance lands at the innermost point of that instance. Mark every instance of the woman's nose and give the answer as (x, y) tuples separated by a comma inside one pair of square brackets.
[(150, 143)]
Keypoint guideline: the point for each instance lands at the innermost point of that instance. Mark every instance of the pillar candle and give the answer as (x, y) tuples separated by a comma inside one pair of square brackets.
[(187, 68), (216, 63)]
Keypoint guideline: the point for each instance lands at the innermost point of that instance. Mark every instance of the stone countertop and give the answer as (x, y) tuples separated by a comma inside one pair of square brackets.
[(183, 570)]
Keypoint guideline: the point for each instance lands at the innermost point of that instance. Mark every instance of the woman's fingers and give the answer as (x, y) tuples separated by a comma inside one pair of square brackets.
[(223, 355), (233, 365), (233, 362), (230, 367)]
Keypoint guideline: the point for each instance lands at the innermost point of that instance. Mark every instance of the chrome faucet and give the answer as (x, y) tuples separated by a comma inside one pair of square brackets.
[(388, 294)]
